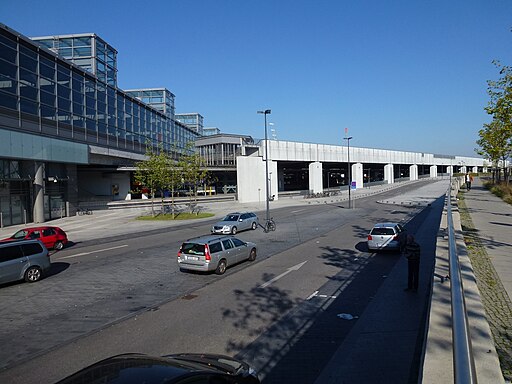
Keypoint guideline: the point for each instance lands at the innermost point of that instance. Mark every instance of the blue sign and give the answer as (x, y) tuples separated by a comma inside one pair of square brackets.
[(353, 185)]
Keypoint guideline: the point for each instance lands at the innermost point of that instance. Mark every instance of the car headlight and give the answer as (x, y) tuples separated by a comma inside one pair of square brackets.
[(226, 228)]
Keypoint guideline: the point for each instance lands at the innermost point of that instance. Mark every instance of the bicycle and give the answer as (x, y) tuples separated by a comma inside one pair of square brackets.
[(270, 225), (82, 211)]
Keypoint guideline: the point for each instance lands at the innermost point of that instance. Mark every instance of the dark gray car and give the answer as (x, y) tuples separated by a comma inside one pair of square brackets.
[(214, 253), (235, 222)]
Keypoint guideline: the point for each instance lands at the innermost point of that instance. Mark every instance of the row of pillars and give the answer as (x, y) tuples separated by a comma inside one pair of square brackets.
[(357, 173)]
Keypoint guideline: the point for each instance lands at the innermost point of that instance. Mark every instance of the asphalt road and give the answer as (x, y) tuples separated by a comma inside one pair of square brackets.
[(126, 294)]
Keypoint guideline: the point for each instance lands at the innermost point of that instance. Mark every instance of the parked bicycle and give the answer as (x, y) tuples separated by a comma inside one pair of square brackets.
[(83, 211), (270, 225)]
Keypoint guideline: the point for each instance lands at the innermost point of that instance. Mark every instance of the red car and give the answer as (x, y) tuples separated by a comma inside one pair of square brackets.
[(51, 237)]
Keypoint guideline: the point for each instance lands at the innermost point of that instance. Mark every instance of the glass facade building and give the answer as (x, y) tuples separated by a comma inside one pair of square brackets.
[(192, 120), (58, 113), (88, 51)]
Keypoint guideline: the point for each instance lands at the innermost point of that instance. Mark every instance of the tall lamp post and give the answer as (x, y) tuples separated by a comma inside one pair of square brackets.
[(349, 170), (265, 113)]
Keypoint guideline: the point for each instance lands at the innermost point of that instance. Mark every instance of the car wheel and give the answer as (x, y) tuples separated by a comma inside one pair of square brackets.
[(58, 245), (221, 267), (252, 255), (234, 230), (254, 226), (33, 274)]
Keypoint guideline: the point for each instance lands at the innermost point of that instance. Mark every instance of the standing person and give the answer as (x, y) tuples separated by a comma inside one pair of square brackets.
[(412, 252), (468, 179)]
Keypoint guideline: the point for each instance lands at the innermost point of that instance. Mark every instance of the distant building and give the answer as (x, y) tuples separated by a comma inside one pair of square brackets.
[(192, 120), (159, 98), (210, 131)]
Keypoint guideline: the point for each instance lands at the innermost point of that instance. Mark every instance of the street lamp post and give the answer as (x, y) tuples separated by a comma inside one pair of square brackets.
[(349, 171), (265, 113)]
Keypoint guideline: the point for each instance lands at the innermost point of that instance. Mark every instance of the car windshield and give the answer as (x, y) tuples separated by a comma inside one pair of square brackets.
[(20, 234), (383, 231), (231, 218)]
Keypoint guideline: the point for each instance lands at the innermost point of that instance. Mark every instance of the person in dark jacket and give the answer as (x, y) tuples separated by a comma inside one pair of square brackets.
[(412, 252)]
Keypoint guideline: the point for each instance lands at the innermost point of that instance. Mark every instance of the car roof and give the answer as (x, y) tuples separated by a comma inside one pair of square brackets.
[(206, 239), (385, 225), (37, 228), (19, 241)]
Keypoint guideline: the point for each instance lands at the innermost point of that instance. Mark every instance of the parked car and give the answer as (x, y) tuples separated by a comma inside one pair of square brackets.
[(235, 222), (214, 253), (182, 368), (25, 259), (387, 236), (51, 237)]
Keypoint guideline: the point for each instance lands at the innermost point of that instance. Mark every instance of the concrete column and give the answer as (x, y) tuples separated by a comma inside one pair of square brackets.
[(433, 171), (38, 212), (357, 174), (474, 169), (463, 169), (413, 172), (389, 174), (315, 177), (449, 170)]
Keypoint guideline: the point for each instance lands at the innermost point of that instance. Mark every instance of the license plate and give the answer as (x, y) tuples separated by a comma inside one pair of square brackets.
[(195, 258)]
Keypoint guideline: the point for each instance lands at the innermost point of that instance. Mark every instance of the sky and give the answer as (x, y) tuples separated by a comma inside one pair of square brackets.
[(408, 75)]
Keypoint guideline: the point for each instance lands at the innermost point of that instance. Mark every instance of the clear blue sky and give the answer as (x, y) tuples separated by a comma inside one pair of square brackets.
[(405, 75)]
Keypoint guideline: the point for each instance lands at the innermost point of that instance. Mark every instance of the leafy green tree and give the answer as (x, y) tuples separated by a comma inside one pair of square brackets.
[(153, 171), (194, 173), (496, 137), (173, 179)]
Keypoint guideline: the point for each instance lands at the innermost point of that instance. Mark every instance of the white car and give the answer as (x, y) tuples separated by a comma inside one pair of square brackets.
[(384, 236)]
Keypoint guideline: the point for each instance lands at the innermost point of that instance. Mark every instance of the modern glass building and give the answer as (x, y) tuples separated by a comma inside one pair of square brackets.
[(88, 51), (192, 120), (67, 130)]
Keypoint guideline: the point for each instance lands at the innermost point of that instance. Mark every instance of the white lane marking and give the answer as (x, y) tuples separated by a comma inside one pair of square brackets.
[(315, 294), (88, 253), (291, 269), (300, 210), (312, 295)]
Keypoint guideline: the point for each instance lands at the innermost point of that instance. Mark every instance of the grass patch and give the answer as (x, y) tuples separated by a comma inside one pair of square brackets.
[(502, 190), (177, 216)]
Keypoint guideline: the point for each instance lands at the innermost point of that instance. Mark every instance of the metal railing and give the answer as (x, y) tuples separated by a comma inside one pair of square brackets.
[(463, 360)]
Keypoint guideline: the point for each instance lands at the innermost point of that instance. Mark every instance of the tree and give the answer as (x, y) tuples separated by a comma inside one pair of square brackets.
[(153, 171), (173, 178), (496, 137), (194, 173)]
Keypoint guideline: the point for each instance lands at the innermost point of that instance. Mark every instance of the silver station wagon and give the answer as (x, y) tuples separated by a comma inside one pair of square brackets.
[(387, 236), (214, 253), (23, 260), (235, 222)]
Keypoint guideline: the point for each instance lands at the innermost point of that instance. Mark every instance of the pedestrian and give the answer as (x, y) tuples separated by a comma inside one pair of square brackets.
[(412, 252), (468, 178)]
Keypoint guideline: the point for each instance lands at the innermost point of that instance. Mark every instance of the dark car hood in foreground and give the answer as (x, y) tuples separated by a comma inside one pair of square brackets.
[(139, 368)]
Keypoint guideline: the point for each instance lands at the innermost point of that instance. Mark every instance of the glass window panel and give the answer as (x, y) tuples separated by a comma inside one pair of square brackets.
[(8, 101), (28, 51), (78, 109), (90, 102), (64, 104), (47, 85), (64, 92), (82, 52), (47, 98), (28, 63), (5, 40), (8, 69), (82, 41), (7, 53), (78, 97), (46, 61), (102, 127), (28, 78), (101, 107), (78, 83), (28, 106), (100, 66), (90, 124), (63, 116), (46, 43), (46, 71), (48, 112), (84, 63), (78, 121), (28, 92), (8, 85), (66, 52), (90, 113), (66, 43)]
